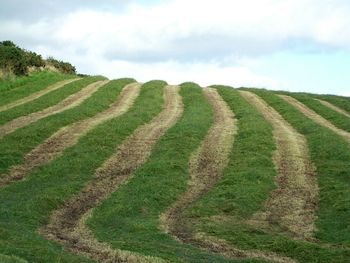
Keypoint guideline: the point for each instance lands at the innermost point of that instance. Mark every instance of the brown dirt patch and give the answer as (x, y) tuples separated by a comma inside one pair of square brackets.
[(38, 94), (68, 136), (316, 117), (335, 108), (68, 103), (67, 224), (292, 205)]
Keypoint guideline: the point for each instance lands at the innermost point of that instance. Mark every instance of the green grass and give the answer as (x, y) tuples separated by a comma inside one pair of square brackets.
[(339, 120), (11, 259), (12, 90), (339, 101), (331, 154), (27, 205), (245, 185), (129, 219), (15, 145), (47, 100)]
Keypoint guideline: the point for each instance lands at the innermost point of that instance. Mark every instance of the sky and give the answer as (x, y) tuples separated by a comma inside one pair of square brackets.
[(294, 45)]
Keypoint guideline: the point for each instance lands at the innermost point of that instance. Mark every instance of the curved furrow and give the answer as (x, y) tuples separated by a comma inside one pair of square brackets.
[(68, 136), (333, 107), (68, 103), (67, 225), (206, 165), (316, 117), (292, 205), (37, 94)]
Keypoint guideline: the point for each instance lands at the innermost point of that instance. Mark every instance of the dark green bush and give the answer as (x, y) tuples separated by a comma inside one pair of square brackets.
[(16, 60)]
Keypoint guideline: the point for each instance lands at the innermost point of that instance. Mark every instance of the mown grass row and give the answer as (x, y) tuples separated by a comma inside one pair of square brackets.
[(129, 219), (250, 175), (339, 120), (244, 187), (25, 206), (15, 145), (47, 100), (339, 101), (12, 90), (331, 154)]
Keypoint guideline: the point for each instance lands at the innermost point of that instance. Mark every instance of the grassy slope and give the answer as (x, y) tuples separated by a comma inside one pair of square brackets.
[(11, 259), (47, 100), (26, 205), (129, 219), (331, 154), (334, 117), (341, 102), (244, 186), (12, 90), (15, 145)]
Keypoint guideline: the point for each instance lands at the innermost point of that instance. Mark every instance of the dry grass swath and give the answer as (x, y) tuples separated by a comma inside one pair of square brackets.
[(68, 103), (37, 94), (315, 117), (68, 136), (333, 107), (206, 166), (67, 225), (292, 205)]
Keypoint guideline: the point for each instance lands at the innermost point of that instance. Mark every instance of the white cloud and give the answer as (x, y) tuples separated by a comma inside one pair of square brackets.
[(179, 40)]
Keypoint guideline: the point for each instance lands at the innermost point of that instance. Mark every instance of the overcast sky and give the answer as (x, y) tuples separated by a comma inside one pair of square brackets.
[(297, 45)]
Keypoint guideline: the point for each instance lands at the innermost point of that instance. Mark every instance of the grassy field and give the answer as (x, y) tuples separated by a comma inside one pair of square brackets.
[(128, 225), (18, 88)]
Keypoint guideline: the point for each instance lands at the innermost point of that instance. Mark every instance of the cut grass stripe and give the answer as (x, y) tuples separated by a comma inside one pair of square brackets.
[(47, 100), (338, 119), (17, 89), (129, 219), (341, 102), (335, 108), (67, 225), (246, 183), (292, 205), (68, 103), (331, 155), (316, 117), (37, 94), (25, 206), (15, 145), (69, 135)]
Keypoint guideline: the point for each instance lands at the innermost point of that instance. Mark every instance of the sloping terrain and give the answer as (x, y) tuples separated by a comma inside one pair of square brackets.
[(97, 170)]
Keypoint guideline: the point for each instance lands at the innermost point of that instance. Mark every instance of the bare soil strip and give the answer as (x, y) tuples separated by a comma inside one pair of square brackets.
[(206, 166), (335, 108), (292, 205), (68, 103), (37, 94), (68, 136), (67, 225), (315, 117)]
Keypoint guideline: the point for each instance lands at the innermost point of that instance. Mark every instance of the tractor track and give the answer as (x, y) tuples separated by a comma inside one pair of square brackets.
[(68, 103), (69, 135), (68, 224)]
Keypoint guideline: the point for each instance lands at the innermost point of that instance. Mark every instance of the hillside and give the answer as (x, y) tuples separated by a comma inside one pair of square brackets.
[(98, 170)]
